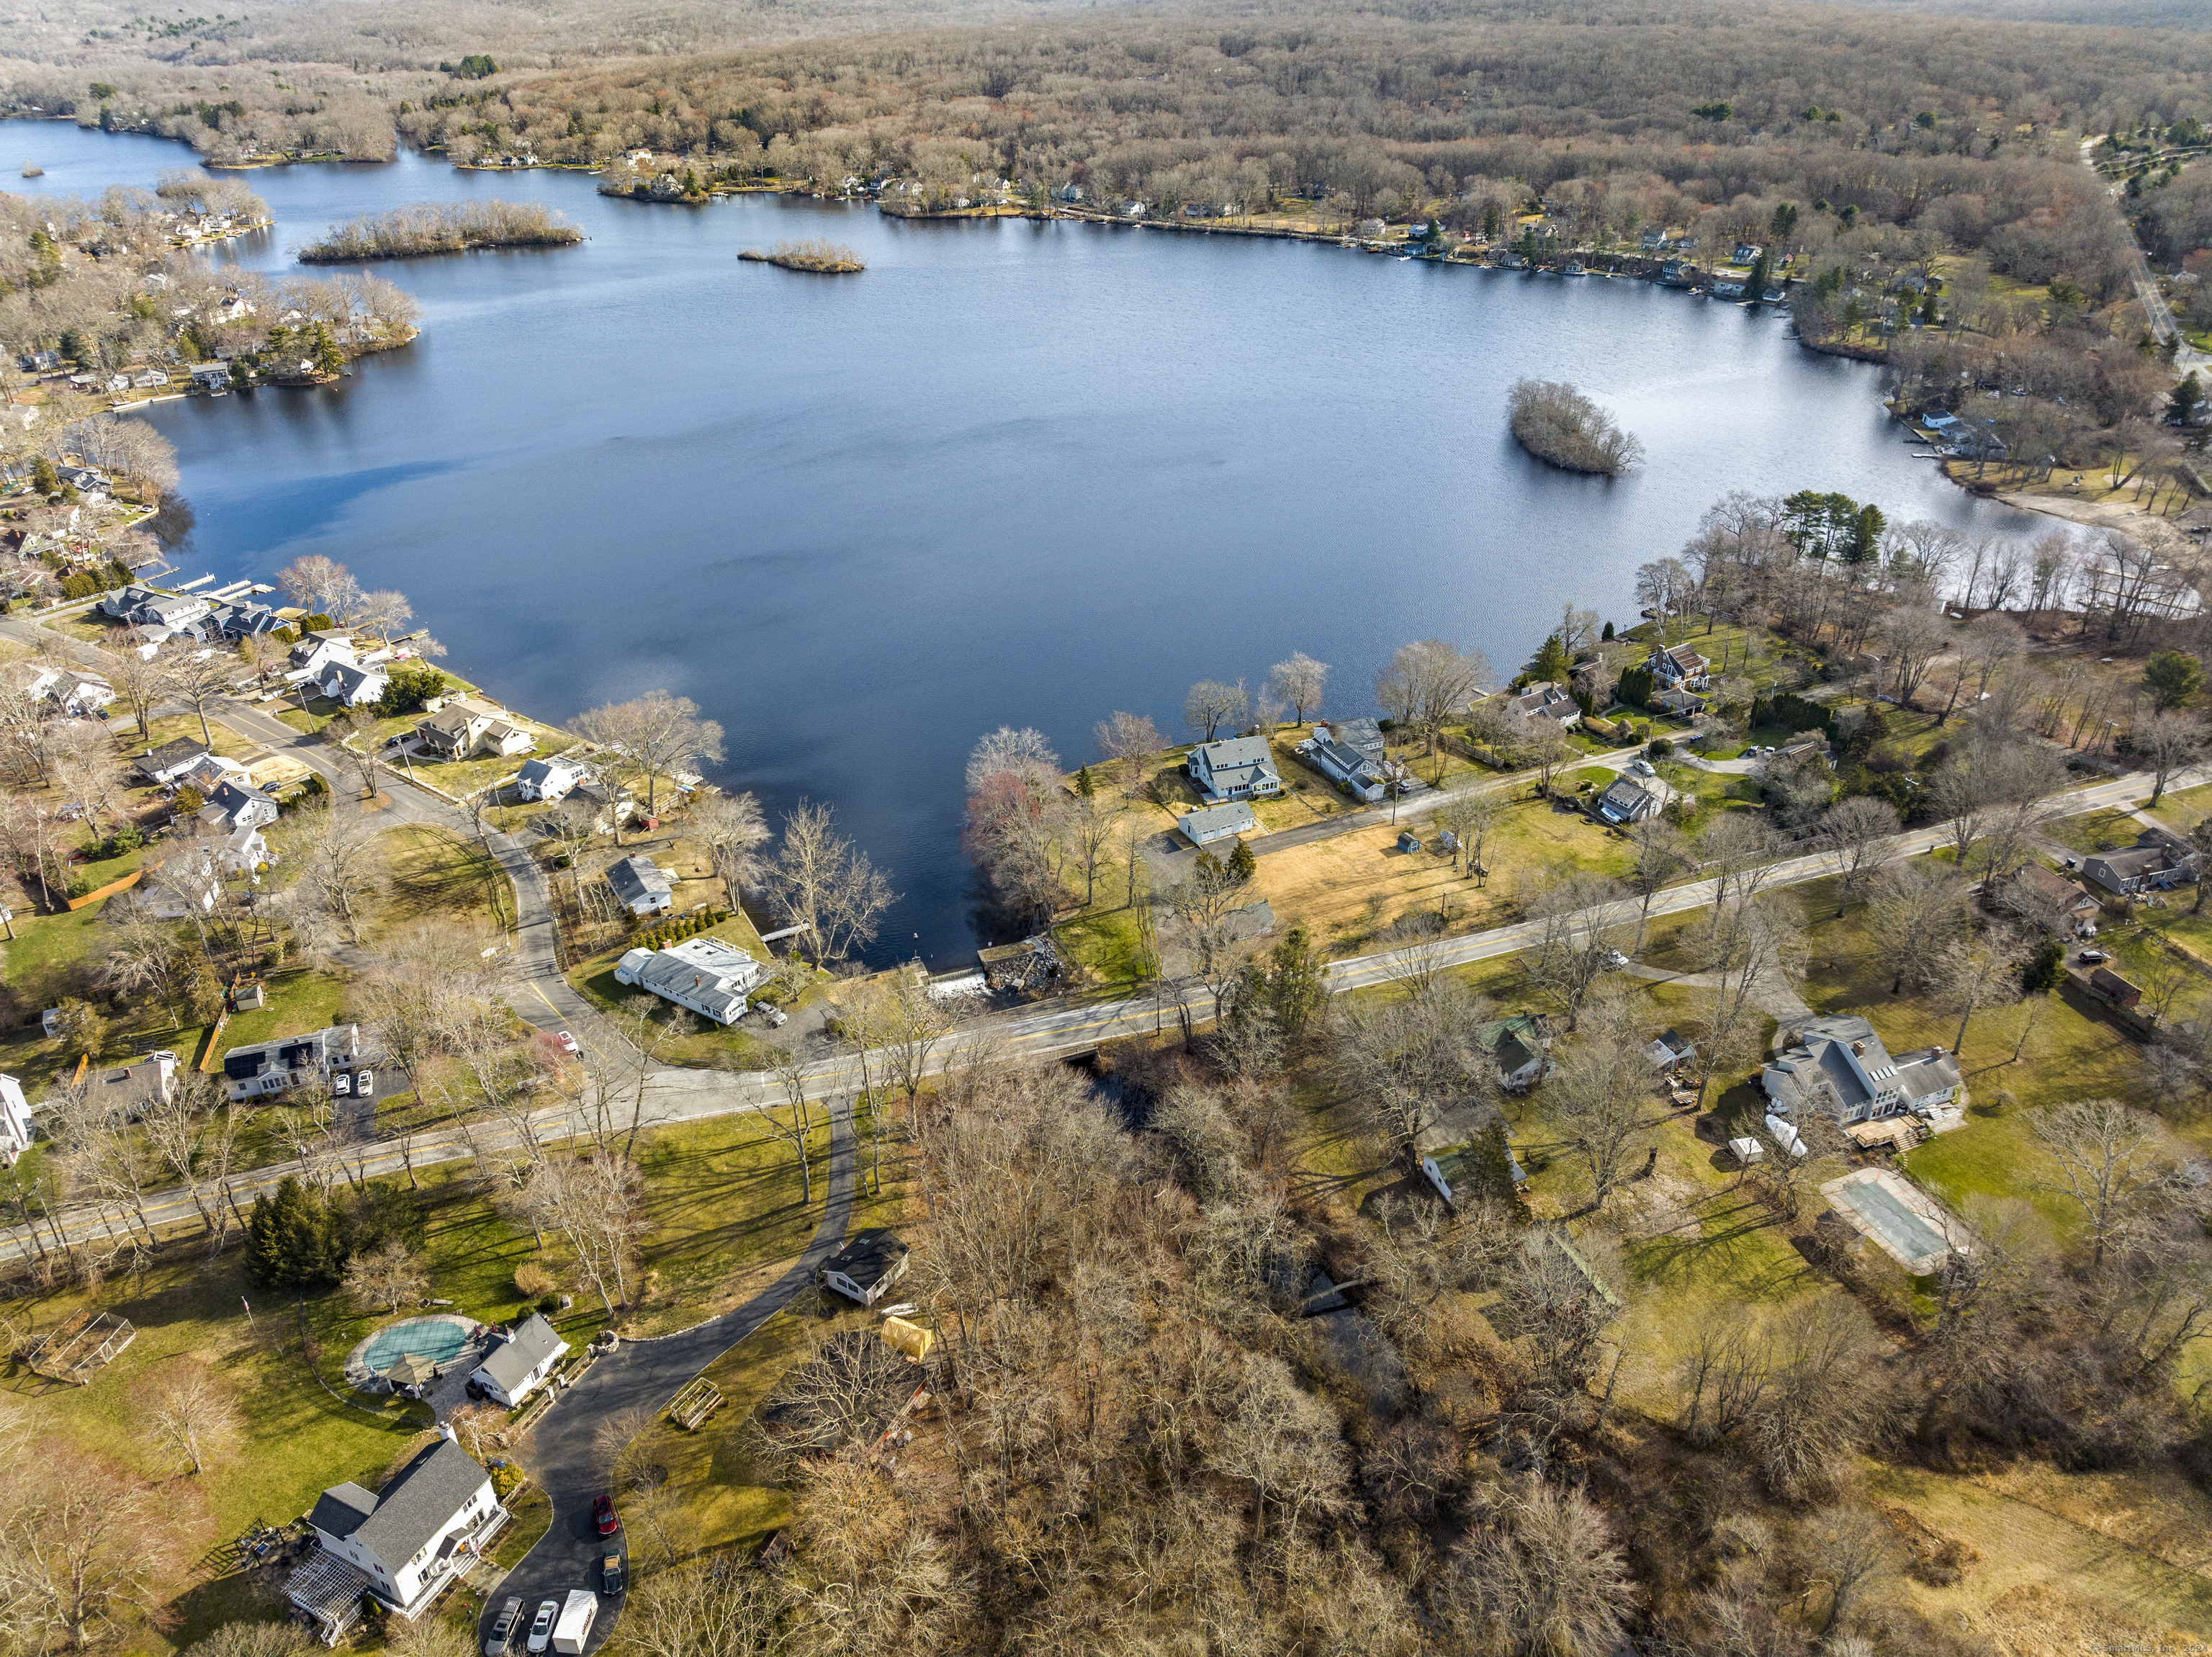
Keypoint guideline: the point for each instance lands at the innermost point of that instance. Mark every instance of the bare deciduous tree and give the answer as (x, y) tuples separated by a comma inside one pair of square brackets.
[(192, 1412), (821, 883), (383, 1278), (656, 736), (1212, 704), (2113, 1161), (1299, 683)]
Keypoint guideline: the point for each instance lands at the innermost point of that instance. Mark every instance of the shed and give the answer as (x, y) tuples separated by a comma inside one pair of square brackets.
[(1408, 841), (2114, 988), (870, 1263)]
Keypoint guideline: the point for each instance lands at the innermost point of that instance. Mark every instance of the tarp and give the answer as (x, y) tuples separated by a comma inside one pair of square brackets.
[(911, 1339)]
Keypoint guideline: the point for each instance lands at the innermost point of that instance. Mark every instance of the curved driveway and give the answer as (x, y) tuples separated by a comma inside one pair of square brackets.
[(649, 1372)]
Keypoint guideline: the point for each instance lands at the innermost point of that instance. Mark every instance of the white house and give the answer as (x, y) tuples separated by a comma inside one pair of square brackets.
[(262, 1068), (710, 975), (350, 684), (170, 762), (403, 1544), (1679, 669), (1359, 773), (15, 1121), (511, 1371), (870, 1263), (1837, 1064), (1204, 827), (230, 808), (1236, 768), (548, 779), (1627, 800)]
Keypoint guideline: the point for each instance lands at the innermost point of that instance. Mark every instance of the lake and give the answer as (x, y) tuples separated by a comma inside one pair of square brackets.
[(1016, 473)]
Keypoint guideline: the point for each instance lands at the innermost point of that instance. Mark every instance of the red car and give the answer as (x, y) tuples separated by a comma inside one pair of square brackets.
[(603, 1514)]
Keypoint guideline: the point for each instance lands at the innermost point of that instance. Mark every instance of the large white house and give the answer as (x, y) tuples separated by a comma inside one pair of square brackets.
[(1235, 768), (511, 1371), (402, 1545), (1838, 1065), (710, 975)]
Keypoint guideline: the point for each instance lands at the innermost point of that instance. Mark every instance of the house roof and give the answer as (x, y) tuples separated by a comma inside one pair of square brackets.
[(1833, 1057), (419, 1501), (350, 676), (456, 718), (538, 772), (171, 755), (639, 877), (1234, 817), (1238, 758), (1364, 734), (868, 1257), (2053, 888), (1626, 795), (533, 1341), (343, 1509), (2111, 983)]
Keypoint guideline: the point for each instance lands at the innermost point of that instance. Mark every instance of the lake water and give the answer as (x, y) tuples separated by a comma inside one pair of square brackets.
[(1016, 473)]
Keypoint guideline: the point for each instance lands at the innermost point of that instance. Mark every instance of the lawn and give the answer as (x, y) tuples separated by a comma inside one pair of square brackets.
[(432, 875), (1349, 888), (2097, 831)]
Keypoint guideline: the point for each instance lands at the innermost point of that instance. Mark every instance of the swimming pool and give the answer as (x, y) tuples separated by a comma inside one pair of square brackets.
[(435, 1340)]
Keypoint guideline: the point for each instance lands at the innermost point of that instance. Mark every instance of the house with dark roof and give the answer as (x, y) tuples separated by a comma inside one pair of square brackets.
[(1517, 1046), (402, 1545), (518, 1366), (2046, 897), (1547, 700), (1364, 734), (233, 806), (2112, 987), (125, 1093), (1679, 669), (1669, 1051), (548, 779), (642, 886), (1838, 1065), (260, 1068), (870, 1263), (1235, 768), (1628, 800), (1358, 773), (169, 762), (2157, 861)]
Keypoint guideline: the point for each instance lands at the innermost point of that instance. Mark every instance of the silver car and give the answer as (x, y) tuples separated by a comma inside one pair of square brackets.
[(541, 1626)]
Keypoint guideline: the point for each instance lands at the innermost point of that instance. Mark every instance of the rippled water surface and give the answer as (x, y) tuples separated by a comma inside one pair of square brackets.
[(1015, 473)]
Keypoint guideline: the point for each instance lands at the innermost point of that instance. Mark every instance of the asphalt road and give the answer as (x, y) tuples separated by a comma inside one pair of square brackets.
[(648, 1372)]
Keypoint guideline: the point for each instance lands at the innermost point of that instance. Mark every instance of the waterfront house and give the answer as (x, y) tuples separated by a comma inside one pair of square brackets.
[(149, 379), (1343, 765), (211, 377), (1727, 288), (463, 729), (84, 479), (142, 606), (870, 1263), (1837, 1064), (520, 1364), (1208, 824), (171, 761), (244, 618), (1747, 253), (640, 887), (1627, 800), (1680, 668), (1235, 768), (351, 685), (1654, 240), (15, 1121), (2157, 861), (550, 780), (260, 1069), (1365, 735), (1546, 700), (401, 1546), (712, 977)]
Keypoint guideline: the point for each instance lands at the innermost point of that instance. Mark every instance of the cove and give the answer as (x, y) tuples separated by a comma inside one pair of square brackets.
[(1015, 473)]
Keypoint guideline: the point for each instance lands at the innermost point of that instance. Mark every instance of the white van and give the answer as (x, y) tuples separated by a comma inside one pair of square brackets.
[(575, 1625)]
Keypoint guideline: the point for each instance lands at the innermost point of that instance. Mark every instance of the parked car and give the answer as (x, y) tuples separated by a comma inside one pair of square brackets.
[(341, 1085), (541, 1627), (611, 1574), (603, 1514), (568, 1043), (776, 1017), (502, 1631), (1614, 960), (2092, 957), (365, 1084)]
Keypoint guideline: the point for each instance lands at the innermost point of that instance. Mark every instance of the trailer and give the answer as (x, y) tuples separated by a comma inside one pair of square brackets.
[(575, 1626)]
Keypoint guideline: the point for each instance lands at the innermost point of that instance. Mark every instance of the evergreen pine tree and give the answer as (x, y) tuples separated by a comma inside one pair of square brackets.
[(1242, 865), (1083, 785), (291, 1240)]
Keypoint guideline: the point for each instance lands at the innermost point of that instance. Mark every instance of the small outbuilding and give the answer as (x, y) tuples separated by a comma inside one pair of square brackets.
[(1212, 823)]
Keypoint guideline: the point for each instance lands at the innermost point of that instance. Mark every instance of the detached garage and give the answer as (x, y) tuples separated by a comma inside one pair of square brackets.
[(1203, 828)]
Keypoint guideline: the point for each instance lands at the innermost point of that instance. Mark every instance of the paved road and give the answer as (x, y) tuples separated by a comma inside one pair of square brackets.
[(648, 1372), (2155, 310), (1057, 1030)]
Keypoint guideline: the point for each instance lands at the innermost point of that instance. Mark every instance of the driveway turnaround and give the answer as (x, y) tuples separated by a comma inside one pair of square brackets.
[(648, 1371)]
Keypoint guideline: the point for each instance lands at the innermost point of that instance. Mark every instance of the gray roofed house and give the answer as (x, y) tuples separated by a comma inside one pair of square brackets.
[(1627, 800), (406, 1542), (1835, 1065), (710, 975), (258, 1068), (245, 617), (171, 760), (640, 887), (1235, 768), (2156, 863), (514, 1369), (870, 1263), (232, 807), (1365, 735), (350, 684), (548, 779), (1358, 772), (142, 607), (1211, 823), (1517, 1045), (1547, 700)]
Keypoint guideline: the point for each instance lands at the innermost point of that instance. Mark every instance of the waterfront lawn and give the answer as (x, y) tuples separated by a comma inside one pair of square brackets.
[(745, 1047), (432, 874)]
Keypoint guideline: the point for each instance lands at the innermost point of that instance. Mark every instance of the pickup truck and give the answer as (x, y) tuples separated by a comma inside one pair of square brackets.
[(611, 1575)]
